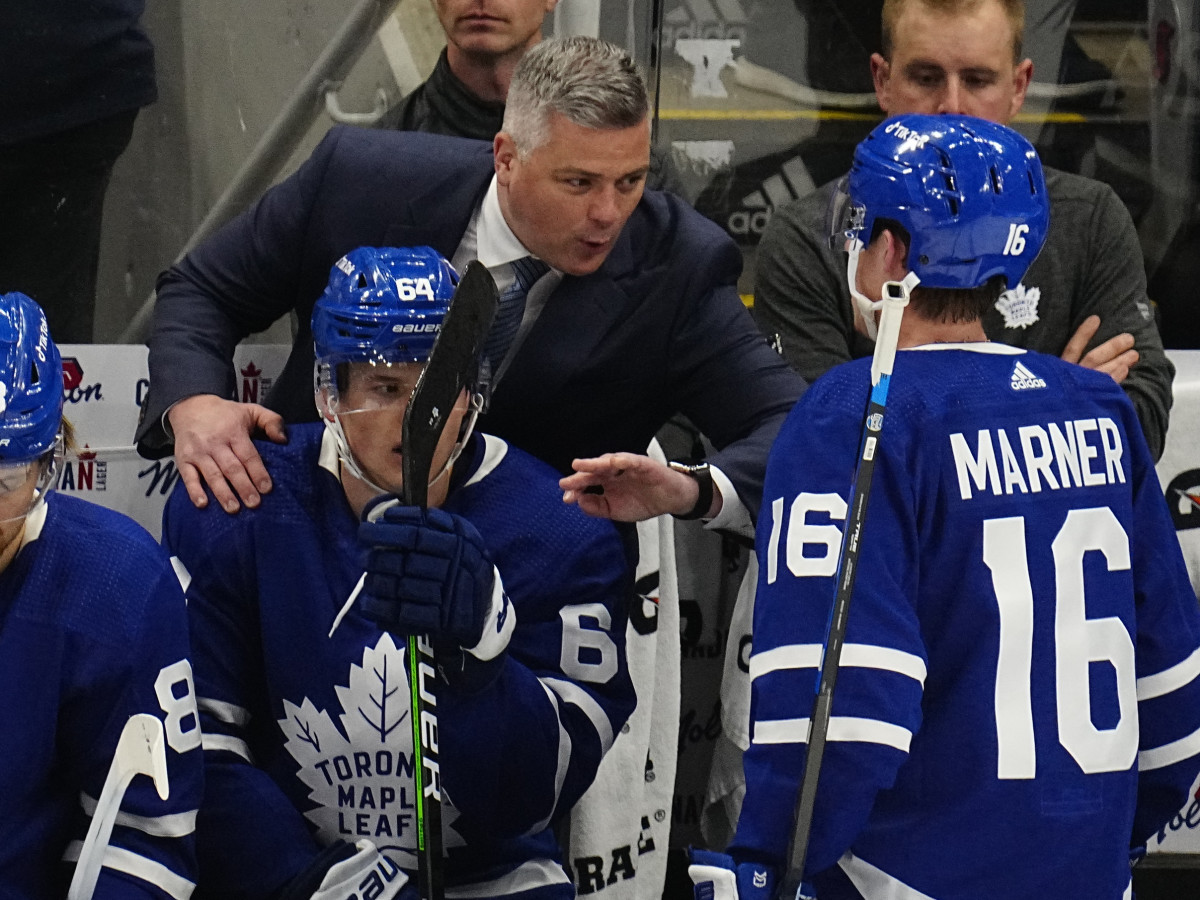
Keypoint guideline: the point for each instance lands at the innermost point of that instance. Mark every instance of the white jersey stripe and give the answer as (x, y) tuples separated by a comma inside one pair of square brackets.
[(577, 696), (866, 656), (181, 572), (174, 825), (229, 743), (874, 883), (564, 762), (791, 656), (532, 874), (229, 713), (849, 729), (1169, 754), (155, 873), (1151, 686)]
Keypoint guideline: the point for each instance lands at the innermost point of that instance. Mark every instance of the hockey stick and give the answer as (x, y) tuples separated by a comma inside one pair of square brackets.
[(455, 353), (141, 749), (895, 298)]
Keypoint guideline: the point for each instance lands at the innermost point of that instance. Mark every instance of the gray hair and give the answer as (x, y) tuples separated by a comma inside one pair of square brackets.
[(587, 81)]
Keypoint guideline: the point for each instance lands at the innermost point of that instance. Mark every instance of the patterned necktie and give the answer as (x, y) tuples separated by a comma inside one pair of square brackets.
[(511, 308)]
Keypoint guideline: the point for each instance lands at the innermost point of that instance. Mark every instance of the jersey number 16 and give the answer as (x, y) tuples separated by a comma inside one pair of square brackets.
[(1078, 642)]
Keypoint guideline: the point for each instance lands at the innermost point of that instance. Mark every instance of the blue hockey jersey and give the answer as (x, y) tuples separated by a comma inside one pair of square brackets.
[(307, 738), (1017, 700), (92, 631)]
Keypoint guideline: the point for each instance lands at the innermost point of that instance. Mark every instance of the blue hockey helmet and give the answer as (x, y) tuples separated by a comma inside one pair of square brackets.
[(31, 382), (383, 305), (970, 193)]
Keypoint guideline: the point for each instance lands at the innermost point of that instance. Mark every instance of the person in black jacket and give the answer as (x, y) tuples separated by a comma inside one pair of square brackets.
[(75, 74), (464, 96)]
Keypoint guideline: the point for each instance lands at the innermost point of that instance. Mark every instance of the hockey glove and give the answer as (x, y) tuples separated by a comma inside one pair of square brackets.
[(342, 871), (428, 572), (715, 876)]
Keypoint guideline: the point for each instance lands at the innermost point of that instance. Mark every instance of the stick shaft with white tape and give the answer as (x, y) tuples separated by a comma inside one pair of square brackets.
[(895, 299), (141, 750)]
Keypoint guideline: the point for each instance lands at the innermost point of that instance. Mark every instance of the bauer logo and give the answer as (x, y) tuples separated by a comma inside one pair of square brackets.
[(254, 385), (74, 390), (874, 422), (420, 328), (1183, 498), (83, 472)]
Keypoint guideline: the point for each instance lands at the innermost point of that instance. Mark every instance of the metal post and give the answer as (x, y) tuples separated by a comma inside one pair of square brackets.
[(281, 137)]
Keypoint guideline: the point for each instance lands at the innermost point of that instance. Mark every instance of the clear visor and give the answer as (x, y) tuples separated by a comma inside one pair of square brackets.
[(40, 474), (14, 476), (365, 387), (844, 218)]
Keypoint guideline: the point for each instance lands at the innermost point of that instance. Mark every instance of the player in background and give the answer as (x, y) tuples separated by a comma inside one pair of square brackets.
[(1017, 704), (303, 698), (92, 631)]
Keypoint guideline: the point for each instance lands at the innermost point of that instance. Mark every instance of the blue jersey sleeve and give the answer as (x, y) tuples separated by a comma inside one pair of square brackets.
[(518, 754), (151, 851), (247, 823), (877, 705), (1168, 657)]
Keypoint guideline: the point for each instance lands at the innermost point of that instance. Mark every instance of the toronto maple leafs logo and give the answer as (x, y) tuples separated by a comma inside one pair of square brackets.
[(1019, 306), (360, 776)]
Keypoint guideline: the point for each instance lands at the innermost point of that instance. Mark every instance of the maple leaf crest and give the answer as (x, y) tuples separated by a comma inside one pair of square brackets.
[(360, 775), (1019, 306)]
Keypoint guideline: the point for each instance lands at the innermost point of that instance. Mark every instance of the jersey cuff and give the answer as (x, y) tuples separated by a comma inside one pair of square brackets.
[(497, 625)]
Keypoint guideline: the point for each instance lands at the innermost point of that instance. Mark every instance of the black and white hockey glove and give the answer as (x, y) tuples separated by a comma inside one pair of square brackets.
[(428, 572), (715, 876), (342, 871)]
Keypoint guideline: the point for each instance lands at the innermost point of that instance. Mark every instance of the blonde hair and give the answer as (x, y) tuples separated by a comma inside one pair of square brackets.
[(1014, 11)]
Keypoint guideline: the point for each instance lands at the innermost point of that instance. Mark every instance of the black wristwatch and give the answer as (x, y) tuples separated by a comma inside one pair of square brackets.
[(699, 470)]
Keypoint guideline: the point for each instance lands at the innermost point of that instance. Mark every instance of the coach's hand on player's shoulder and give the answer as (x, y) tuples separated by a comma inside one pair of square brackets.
[(630, 487), (1115, 356), (213, 446), (428, 572)]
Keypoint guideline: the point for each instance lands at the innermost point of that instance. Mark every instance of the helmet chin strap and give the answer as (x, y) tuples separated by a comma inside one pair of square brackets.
[(866, 306), (346, 455)]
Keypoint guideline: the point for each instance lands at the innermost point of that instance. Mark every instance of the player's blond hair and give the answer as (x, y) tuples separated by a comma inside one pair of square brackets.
[(1014, 11)]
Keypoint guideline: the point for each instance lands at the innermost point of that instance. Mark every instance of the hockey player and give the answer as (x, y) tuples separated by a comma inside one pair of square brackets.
[(308, 746), (92, 631), (1017, 704)]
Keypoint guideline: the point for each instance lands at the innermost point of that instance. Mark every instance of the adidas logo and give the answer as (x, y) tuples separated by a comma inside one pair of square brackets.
[(699, 19), (1023, 379)]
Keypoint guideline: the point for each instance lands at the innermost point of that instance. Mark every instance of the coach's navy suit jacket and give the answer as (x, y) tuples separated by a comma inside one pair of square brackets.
[(659, 329)]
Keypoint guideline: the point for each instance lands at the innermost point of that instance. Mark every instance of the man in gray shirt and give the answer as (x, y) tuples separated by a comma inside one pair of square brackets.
[(1084, 298)]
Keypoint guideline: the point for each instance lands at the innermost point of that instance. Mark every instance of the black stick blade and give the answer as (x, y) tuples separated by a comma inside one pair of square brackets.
[(454, 356)]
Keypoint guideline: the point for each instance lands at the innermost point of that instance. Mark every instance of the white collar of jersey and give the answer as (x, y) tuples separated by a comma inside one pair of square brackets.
[(34, 520), (494, 450), (495, 243), (975, 347), (328, 459)]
